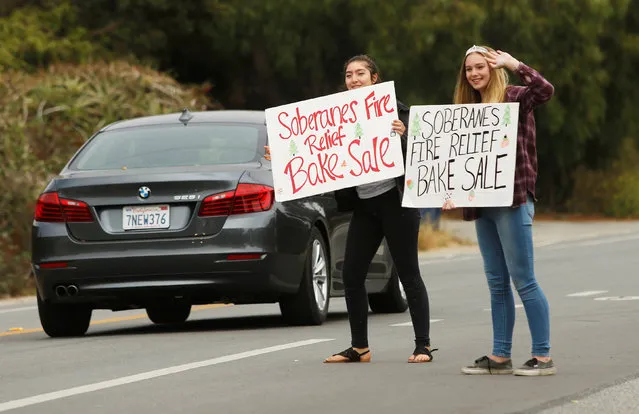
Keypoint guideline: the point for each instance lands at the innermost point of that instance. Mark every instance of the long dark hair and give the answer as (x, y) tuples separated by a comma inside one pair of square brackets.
[(370, 64)]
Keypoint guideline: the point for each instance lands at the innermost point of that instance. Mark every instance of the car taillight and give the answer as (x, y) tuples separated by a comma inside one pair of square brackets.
[(251, 198), (50, 207), (217, 204), (247, 198)]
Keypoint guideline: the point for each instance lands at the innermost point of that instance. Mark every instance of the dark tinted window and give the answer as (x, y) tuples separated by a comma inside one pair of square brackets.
[(170, 146)]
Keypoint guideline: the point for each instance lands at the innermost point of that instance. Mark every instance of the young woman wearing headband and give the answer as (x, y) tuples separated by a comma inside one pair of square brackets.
[(505, 233)]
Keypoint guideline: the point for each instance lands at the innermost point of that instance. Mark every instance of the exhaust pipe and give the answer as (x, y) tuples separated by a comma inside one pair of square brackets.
[(61, 291), (72, 290)]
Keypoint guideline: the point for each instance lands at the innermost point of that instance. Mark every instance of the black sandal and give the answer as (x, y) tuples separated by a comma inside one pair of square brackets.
[(423, 350), (351, 355)]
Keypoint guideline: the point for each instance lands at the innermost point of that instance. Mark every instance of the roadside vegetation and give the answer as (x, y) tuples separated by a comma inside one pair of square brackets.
[(433, 238), (44, 117), (69, 67)]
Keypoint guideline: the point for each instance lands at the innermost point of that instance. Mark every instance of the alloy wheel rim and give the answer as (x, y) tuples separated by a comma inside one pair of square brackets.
[(320, 275)]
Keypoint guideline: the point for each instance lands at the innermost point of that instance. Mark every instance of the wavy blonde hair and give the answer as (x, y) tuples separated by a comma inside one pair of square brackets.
[(495, 90)]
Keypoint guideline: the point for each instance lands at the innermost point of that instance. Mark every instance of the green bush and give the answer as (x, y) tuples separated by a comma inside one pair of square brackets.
[(33, 37), (613, 191), (46, 116), (625, 201)]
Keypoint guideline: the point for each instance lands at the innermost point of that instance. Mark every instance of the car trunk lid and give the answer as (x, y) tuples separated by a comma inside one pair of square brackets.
[(140, 205)]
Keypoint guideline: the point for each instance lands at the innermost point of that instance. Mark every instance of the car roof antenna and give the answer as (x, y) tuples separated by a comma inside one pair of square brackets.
[(186, 116)]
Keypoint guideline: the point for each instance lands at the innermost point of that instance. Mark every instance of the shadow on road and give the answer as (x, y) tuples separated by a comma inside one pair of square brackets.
[(239, 323)]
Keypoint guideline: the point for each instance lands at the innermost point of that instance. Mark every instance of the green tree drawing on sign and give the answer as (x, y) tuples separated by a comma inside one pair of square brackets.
[(506, 120), (415, 130), (292, 148), (358, 131)]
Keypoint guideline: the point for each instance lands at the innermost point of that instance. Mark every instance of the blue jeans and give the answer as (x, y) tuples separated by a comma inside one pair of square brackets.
[(505, 241)]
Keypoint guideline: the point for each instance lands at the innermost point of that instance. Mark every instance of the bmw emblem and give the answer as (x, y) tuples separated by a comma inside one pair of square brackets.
[(144, 192)]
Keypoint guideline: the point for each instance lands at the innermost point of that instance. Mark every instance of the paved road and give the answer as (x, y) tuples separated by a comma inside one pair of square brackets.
[(242, 359)]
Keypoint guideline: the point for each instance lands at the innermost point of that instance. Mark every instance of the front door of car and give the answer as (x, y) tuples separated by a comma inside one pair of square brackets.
[(338, 230), (380, 268)]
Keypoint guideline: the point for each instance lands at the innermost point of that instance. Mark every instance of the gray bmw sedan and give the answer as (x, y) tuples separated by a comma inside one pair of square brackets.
[(165, 212)]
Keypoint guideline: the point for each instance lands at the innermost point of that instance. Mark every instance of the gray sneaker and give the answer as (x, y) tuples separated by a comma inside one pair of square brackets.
[(534, 367), (486, 366)]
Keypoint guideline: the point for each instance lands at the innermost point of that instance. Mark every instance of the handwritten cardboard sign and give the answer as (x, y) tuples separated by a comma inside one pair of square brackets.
[(461, 155), (334, 142)]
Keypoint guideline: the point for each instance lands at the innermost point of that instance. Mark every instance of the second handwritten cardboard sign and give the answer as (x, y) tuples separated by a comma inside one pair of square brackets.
[(461, 155)]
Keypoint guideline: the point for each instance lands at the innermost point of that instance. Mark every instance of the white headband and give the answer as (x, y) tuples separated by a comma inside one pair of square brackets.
[(476, 49)]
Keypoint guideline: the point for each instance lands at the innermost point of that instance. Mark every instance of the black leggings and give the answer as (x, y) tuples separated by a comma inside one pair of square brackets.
[(374, 219)]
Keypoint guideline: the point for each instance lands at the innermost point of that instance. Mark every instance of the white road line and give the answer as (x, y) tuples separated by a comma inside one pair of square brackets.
[(546, 243), (586, 293), (447, 259), (18, 309), (411, 324), (519, 306), (618, 298), (558, 246), (37, 399), (611, 240)]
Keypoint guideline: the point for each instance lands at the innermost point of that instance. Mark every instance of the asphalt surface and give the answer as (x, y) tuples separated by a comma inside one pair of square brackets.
[(243, 359)]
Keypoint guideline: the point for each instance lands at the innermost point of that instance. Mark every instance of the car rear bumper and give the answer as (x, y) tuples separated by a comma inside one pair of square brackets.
[(127, 275), (104, 283)]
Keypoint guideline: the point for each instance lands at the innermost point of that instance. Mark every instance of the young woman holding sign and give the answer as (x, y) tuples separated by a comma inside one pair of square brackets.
[(505, 233), (378, 214)]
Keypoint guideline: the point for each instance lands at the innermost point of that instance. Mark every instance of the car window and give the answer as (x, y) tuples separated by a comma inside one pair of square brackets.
[(170, 146)]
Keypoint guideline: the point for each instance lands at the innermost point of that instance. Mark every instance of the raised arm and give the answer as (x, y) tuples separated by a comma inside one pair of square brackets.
[(537, 89)]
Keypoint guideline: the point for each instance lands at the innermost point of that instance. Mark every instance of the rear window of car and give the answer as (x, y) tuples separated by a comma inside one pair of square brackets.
[(170, 146)]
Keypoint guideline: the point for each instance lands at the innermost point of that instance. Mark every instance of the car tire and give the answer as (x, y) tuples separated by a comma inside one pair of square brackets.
[(309, 306), (60, 320), (169, 312), (392, 300)]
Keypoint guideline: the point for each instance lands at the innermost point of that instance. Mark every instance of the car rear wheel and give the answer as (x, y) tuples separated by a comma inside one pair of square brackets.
[(393, 300), (309, 306), (60, 320), (169, 312)]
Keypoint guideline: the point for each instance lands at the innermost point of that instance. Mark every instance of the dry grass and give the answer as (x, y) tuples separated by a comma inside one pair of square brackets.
[(431, 239)]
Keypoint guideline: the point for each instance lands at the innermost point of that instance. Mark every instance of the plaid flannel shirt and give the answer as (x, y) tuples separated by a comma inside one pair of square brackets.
[(536, 91)]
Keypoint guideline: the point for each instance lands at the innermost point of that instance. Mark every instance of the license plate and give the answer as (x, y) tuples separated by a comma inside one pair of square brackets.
[(146, 217)]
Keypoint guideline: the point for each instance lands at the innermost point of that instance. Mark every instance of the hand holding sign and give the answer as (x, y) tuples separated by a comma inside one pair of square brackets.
[(399, 127)]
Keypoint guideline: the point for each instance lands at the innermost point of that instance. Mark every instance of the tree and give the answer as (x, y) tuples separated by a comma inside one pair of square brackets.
[(506, 119), (32, 38), (257, 54), (292, 148), (542, 34), (358, 131), (415, 128)]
